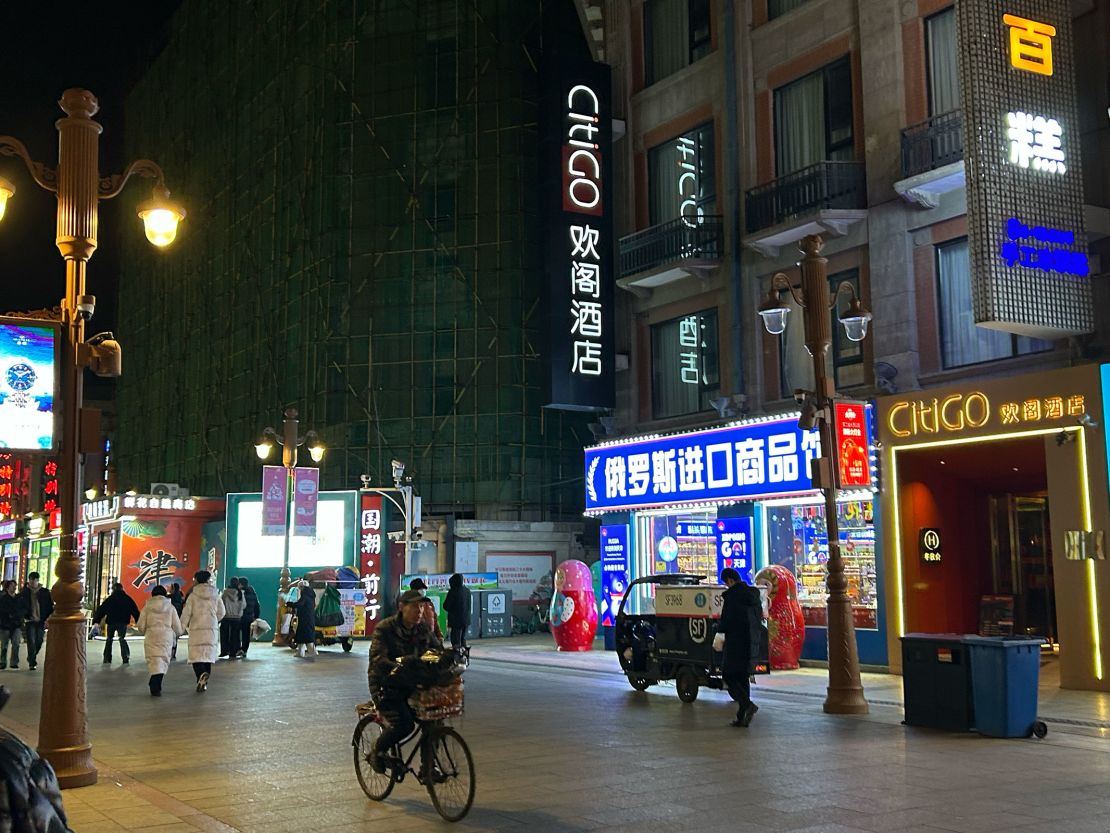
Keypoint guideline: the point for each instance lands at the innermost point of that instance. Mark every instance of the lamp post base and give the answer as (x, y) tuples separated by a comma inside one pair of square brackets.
[(63, 733), (846, 701)]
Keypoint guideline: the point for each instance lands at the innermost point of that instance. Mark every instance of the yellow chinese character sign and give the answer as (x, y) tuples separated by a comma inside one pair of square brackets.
[(1030, 44)]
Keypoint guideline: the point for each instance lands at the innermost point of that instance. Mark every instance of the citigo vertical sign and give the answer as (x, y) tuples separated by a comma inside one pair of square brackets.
[(577, 162), (1028, 244)]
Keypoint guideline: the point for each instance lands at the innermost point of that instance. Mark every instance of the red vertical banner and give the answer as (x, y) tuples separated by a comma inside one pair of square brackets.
[(275, 500), (370, 542), (50, 485), (853, 455), (7, 484), (306, 494)]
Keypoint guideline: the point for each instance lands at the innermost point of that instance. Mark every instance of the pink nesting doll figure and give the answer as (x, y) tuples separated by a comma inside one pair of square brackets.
[(786, 627), (573, 608)]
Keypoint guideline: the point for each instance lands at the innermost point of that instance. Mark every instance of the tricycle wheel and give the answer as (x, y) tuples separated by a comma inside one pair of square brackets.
[(1040, 729), (638, 683), (687, 684), (347, 646)]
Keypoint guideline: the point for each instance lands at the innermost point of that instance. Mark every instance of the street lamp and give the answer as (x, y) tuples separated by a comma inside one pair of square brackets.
[(63, 719), (289, 442), (845, 692)]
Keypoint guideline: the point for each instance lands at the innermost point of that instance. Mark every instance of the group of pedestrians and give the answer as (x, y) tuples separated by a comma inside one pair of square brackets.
[(241, 608), (23, 614)]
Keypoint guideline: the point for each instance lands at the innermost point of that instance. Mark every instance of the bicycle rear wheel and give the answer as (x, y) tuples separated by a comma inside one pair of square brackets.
[(449, 774), (376, 785)]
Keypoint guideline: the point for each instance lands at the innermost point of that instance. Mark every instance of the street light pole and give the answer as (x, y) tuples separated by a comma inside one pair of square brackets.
[(845, 691), (63, 719), (289, 442)]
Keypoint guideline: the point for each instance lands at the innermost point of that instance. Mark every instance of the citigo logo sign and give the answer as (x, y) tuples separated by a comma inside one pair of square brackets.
[(938, 416), (581, 153)]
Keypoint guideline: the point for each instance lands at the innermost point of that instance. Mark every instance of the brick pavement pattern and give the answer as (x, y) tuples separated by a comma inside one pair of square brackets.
[(568, 749)]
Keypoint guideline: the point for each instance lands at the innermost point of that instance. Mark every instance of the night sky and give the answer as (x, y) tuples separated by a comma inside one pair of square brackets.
[(49, 47)]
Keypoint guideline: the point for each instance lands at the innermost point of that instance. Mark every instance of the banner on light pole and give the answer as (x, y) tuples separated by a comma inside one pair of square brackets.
[(275, 500), (306, 495)]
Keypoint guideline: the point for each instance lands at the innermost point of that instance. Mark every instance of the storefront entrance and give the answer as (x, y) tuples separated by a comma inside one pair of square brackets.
[(1021, 562)]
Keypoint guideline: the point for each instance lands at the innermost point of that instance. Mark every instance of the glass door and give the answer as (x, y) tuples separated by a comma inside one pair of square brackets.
[(1021, 565)]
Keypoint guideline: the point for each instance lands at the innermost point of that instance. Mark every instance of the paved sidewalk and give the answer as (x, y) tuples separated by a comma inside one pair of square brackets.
[(1067, 710), (561, 745)]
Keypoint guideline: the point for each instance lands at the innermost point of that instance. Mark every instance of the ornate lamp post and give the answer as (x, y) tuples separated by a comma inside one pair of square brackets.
[(289, 442), (63, 721), (845, 691)]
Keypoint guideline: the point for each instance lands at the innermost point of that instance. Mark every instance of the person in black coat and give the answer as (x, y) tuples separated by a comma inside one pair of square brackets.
[(12, 616), (119, 609), (38, 605), (177, 599), (252, 611), (739, 626), (457, 605), (304, 637)]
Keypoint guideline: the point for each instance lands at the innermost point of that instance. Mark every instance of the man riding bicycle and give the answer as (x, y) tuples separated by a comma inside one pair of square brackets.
[(397, 638)]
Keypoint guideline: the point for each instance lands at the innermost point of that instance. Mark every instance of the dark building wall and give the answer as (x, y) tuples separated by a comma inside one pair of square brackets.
[(362, 243)]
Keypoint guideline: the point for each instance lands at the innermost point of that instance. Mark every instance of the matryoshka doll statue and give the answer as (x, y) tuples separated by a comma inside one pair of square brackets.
[(573, 607), (786, 626)]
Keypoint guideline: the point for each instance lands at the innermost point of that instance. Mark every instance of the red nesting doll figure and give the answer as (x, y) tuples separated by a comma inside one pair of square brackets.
[(786, 626), (573, 608)]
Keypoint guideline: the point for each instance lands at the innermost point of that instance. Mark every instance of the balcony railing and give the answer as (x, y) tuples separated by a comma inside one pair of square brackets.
[(672, 242), (820, 186), (932, 144)]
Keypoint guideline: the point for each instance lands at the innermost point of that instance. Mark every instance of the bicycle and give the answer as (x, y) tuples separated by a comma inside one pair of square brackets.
[(446, 766)]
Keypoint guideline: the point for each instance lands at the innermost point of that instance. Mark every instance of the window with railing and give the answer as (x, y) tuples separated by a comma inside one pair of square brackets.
[(813, 119), (962, 341), (685, 365), (682, 177), (826, 185), (676, 34)]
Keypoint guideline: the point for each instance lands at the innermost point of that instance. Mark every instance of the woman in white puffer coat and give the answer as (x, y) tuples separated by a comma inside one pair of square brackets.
[(201, 618), (160, 626)]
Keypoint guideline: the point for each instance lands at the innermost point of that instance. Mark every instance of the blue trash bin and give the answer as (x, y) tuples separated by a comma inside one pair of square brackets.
[(1005, 675)]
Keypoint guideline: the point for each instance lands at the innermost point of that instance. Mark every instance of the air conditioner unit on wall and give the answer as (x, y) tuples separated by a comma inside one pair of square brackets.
[(165, 489)]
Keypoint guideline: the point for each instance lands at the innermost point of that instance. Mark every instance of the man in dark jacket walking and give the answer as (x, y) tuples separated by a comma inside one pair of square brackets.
[(250, 613), (38, 606), (119, 609), (12, 616), (457, 605), (739, 626)]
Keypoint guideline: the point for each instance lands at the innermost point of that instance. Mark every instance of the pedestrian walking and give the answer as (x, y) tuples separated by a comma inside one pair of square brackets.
[(457, 605), (160, 626), (203, 611), (38, 605), (177, 599), (305, 635), (118, 609), (234, 605), (251, 611), (12, 616), (737, 627)]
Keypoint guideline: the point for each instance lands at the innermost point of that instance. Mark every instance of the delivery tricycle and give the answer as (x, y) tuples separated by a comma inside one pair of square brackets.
[(664, 631)]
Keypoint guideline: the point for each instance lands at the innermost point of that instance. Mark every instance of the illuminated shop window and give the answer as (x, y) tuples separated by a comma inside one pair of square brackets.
[(682, 177), (962, 342), (676, 33), (685, 365), (797, 538)]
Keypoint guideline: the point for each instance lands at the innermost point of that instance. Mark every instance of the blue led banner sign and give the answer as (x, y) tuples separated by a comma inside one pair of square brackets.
[(1026, 234), (734, 546), (762, 459)]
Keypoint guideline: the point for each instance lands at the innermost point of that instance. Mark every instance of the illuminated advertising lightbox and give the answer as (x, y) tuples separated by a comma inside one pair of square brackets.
[(852, 428), (28, 365), (576, 158), (1029, 262), (614, 570)]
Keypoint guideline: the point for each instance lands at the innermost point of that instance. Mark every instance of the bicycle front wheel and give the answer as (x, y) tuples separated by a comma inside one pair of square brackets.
[(376, 785), (449, 774)]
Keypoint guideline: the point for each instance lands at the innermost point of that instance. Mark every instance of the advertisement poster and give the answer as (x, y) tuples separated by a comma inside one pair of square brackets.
[(275, 500), (163, 551), (352, 601), (27, 385), (853, 463), (521, 573), (734, 547), (306, 494), (614, 570)]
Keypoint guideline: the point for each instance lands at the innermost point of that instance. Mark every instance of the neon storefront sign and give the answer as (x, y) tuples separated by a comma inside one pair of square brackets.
[(1038, 247)]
